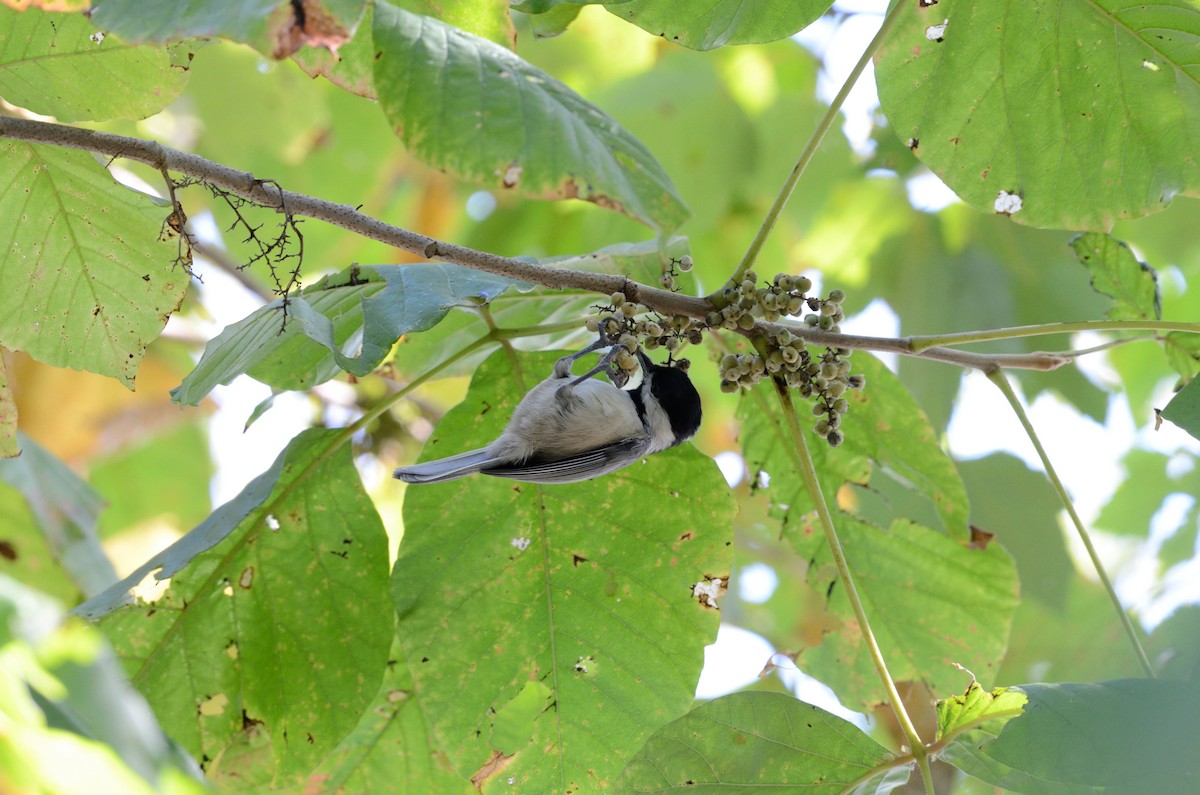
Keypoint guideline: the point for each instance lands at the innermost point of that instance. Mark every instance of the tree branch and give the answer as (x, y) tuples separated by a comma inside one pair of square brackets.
[(267, 193)]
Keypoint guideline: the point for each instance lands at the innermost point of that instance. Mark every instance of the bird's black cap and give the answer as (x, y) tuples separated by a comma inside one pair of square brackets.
[(679, 398)]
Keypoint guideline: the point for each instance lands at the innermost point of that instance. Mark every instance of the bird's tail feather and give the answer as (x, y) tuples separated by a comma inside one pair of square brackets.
[(456, 466)]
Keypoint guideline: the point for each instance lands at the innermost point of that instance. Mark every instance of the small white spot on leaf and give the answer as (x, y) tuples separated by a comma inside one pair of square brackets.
[(937, 32), (708, 590), (272, 522), (1007, 203), (512, 174), (1151, 65), (521, 543)]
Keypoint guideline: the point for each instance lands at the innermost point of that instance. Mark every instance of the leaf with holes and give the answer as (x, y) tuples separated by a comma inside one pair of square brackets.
[(472, 108), (279, 623), (550, 629), (87, 282), (1117, 273), (275, 27), (1067, 115), (61, 65)]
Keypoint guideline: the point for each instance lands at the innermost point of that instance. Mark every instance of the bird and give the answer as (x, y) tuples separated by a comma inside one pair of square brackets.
[(569, 429)]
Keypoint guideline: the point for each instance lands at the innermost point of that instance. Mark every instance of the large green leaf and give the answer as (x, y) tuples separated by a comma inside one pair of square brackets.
[(278, 624), (366, 307), (762, 742), (471, 107), (708, 25), (1123, 736), (391, 749), (551, 629), (886, 436), (931, 600), (86, 281), (1088, 111), (61, 65)]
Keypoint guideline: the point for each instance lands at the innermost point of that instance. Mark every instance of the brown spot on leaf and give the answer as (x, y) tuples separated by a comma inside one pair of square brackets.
[(980, 538), (493, 766), (304, 23), (7, 550)]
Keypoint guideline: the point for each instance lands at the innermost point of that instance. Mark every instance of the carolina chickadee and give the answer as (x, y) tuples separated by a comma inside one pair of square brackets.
[(570, 429)]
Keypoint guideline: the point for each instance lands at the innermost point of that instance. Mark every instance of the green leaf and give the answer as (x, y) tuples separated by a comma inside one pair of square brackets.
[(1132, 285), (61, 65), (1184, 408), (8, 416), (585, 588), (66, 509), (160, 480), (392, 749), (87, 281), (74, 724), (1119, 736), (352, 68), (978, 710), (1037, 98), (546, 6), (756, 742), (530, 133), (368, 307), (886, 436), (279, 623), (931, 600), (1027, 528), (269, 26), (706, 26), (554, 21), (1183, 353)]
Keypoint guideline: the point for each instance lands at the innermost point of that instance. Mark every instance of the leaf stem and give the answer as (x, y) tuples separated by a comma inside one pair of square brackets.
[(805, 466), (920, 343), (814, 142), (1001, 381)]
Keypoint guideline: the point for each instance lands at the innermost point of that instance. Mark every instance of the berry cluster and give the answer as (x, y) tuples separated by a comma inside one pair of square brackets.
[(784, 356), (667, 280)]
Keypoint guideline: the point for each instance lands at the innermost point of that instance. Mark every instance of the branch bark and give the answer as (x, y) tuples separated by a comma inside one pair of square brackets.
[(269, 194)]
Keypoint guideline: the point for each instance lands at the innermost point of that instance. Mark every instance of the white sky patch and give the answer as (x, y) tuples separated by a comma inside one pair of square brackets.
[(756, 583), (480, 205), (876, 319), (928, 194), (732, 662), (732, 466)]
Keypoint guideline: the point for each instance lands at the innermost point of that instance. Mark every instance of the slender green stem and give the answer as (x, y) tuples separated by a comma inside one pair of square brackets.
[(920, 343), (814, 142), (998, 378), (804, 464)]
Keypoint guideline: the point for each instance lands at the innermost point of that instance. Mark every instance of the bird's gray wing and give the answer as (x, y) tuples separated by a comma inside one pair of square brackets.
[(582, 466)]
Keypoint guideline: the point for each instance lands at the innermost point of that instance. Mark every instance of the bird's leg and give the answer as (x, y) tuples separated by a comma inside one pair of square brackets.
[(562, 368)]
